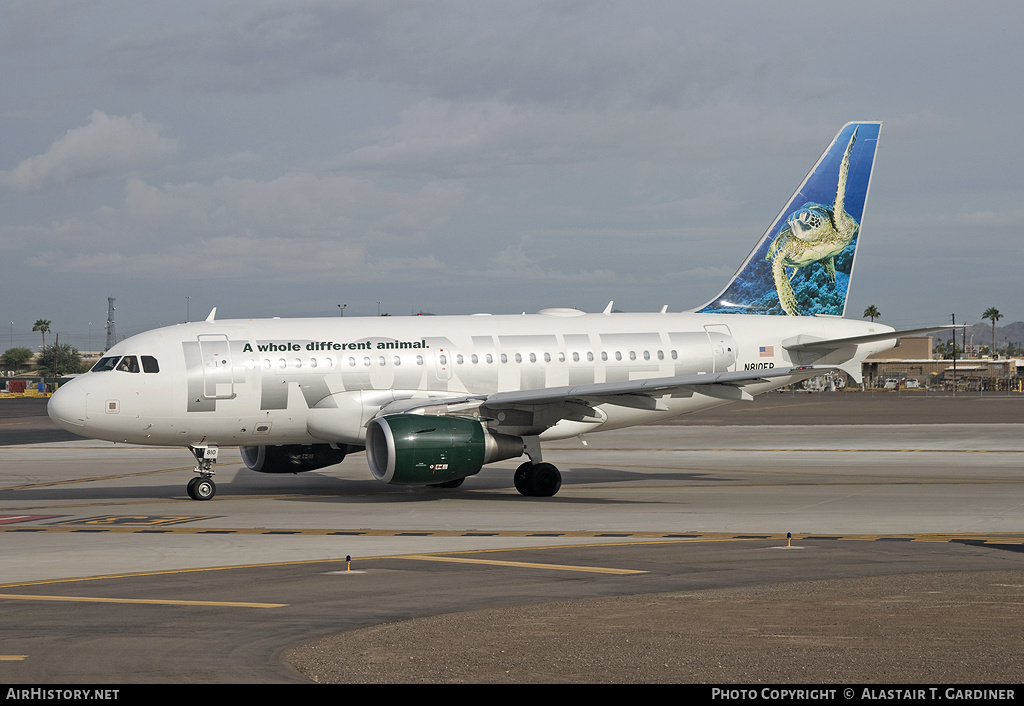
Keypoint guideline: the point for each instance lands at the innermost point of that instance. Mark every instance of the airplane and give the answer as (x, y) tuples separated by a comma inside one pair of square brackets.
[(432, 400)]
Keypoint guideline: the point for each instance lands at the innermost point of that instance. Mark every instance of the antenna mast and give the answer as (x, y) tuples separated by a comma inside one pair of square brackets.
[(111, 336)]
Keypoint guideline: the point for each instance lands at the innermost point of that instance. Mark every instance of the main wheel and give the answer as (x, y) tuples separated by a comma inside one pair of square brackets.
[(545, 480), (521, 479)]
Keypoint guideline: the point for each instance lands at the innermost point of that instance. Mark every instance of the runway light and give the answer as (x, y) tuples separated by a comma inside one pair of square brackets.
[(348, 562)]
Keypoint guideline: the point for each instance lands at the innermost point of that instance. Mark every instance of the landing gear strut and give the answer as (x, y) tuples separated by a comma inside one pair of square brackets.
[(539, 480), (203, 487)]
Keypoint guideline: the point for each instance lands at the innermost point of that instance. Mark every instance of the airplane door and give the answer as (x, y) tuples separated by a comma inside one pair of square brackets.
[(218, 373), (443, 362), (723, 347)]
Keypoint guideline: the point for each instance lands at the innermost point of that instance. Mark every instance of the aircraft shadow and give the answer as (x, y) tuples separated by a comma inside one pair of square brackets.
[(319, 487)]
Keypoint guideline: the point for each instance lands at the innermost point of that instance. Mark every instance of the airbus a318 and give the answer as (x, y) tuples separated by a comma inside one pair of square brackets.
[(432, 400)]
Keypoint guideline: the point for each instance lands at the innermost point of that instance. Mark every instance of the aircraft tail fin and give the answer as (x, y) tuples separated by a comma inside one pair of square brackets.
[(802, 264)]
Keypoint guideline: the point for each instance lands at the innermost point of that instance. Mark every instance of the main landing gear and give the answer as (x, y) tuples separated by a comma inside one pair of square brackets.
[(540, 480), (203, 487)]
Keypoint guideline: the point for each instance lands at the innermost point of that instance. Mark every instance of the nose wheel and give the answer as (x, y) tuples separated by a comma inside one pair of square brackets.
[(201, 488)]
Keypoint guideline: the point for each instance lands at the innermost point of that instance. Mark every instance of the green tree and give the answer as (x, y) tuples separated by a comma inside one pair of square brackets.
[(16, 358), (59, 359), (993, 314), (872, 311), (42, 326), (945, 350)]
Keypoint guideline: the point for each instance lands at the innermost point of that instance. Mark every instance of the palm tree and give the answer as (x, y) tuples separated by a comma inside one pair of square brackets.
[(42, 326), (992, 313), (872, 311)]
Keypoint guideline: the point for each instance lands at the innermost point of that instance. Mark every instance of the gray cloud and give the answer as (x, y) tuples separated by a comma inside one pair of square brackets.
[(108, 144), (494, 156)]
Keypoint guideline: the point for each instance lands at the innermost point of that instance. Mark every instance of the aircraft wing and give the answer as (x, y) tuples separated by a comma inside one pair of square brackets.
[(631, 393)]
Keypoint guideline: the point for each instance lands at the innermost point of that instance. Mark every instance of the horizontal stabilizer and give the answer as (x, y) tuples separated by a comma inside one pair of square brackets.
[(803, 343)]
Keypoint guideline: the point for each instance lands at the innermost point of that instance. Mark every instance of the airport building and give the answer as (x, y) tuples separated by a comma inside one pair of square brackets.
[(911, 364)]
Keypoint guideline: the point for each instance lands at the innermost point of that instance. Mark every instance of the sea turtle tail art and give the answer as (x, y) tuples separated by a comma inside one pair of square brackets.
[(802, 264)]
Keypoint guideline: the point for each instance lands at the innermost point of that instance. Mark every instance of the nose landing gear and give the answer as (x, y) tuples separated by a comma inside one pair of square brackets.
[(203, 487)]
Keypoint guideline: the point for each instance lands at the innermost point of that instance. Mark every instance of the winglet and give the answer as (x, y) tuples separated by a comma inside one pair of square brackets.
[(213, 312)]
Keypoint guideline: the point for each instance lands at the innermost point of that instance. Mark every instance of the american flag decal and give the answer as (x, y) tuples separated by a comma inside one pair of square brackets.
[(767, 351)]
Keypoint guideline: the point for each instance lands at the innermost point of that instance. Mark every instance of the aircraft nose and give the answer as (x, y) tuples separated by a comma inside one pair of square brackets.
[(67, 407)]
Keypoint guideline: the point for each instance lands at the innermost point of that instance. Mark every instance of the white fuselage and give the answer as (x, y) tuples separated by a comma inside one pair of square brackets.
[(301, 381)]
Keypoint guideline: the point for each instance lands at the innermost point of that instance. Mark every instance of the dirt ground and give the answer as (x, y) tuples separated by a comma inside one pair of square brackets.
[(938, 628)]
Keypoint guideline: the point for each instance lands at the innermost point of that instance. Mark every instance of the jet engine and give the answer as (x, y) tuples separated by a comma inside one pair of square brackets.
[(293, 458), (417, 449)]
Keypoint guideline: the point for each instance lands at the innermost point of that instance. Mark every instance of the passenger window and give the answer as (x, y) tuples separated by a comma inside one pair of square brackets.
[(149, 364)]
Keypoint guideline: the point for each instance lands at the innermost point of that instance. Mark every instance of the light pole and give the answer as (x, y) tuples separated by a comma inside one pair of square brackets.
[(341, 309), (188, 309)]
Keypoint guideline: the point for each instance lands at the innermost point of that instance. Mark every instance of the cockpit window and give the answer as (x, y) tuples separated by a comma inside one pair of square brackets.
[(107, 363), (129, 364)]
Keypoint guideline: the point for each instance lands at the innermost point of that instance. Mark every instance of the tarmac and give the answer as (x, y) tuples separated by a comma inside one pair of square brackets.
[(664, 557)]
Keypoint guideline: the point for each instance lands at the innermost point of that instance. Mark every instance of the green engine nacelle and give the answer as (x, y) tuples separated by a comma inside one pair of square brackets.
[(415, 449)]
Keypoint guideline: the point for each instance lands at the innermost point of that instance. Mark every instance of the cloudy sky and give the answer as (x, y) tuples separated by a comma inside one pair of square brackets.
[(280, 158)]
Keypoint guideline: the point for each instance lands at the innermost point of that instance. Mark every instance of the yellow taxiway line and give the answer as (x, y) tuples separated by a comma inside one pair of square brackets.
[(523, 564), (148, 601)]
